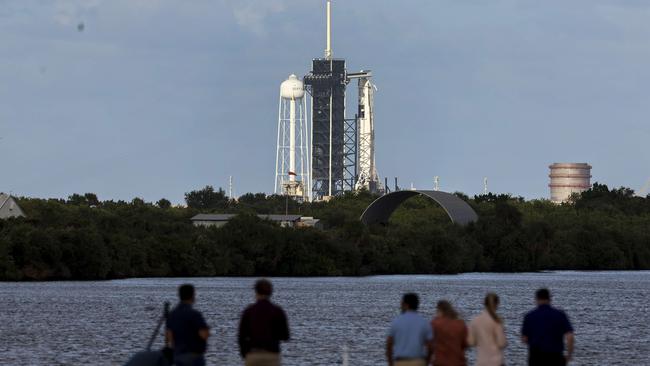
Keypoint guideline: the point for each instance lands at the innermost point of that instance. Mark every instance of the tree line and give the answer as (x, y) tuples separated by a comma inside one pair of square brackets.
[(85, 238)]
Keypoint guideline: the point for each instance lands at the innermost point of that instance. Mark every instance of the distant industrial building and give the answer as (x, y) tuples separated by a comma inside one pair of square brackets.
[(219, 220), (568, 178), (9, 207)]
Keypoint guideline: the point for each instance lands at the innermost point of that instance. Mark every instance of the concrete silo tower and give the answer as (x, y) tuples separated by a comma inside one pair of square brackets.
[(567, 179), (292, 156)]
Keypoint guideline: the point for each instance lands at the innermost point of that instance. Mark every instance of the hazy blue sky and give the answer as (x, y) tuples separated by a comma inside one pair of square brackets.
[(155, 98)]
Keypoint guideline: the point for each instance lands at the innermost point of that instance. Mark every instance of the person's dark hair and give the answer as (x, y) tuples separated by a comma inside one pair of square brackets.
[(263, 287), (411, 299), (447, 309), (186, 292), (543, 294), (491, 304)]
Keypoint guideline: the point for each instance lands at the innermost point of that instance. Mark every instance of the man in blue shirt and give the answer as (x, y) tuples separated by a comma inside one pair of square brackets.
[(187, 331), (410, 336), (544, 331)]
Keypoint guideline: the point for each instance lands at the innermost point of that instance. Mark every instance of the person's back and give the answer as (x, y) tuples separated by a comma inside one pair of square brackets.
[(544, 330), (409, 336), (449, 337), (449, 342), (262, 327), (487, 334), (187, 331), (265, 325), (489, 338), (185, 323)]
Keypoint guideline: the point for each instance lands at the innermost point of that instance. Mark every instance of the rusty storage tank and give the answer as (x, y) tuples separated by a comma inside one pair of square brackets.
[(568, 178)]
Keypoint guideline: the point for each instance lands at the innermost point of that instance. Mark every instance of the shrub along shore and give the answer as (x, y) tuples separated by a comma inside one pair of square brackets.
[(82, 238)]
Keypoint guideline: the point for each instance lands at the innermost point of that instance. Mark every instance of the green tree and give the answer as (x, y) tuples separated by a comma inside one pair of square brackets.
[(87, 199), (164, 203), (206, 199)]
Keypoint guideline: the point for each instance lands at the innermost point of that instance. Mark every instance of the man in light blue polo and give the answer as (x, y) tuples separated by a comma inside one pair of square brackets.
[(410, 336)]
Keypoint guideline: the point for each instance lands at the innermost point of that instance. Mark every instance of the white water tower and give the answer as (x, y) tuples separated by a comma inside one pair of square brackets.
[(292, 173)]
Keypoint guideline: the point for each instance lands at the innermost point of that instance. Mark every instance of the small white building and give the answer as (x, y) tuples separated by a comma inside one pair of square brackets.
[(9, 207), (219, 220)]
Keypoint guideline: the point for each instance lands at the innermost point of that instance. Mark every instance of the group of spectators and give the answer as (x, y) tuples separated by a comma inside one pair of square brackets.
[(411, 341), (263, 325), (414, 341)]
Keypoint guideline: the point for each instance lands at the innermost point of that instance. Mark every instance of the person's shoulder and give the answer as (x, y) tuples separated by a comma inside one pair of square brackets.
[(475, 320), (277, 309), (397, 320), (423, 320), (249, 308), (532, 312), (276, 306), (559, 313), (414, 316), (530, 316), (436, 320), (482, 316), (557, 310), (176, 311), (195, 312), (171, 318)]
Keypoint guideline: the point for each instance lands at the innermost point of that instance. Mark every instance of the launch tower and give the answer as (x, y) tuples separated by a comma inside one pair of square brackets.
[(326, 84)]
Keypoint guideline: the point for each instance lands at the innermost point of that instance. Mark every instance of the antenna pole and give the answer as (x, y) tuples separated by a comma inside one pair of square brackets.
[(328, 50)]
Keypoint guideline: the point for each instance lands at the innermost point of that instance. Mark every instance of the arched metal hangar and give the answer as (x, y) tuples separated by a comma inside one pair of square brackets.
[(379, 211)]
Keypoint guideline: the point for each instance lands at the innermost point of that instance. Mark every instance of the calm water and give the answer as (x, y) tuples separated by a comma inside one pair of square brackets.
[(102, 323)]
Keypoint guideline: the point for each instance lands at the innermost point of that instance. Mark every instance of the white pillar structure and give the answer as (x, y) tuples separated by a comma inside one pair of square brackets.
[(328, 48), (366, 168), (292, 161)]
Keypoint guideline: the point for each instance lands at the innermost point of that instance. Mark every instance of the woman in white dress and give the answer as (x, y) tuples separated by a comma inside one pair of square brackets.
[(486, 333)]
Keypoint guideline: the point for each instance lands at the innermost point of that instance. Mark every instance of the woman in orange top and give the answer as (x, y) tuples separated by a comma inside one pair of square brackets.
[(449, 336)]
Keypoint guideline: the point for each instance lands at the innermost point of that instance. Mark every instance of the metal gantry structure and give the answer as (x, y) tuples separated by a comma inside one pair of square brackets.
[(341, 153), (365, 122), (326, 84)]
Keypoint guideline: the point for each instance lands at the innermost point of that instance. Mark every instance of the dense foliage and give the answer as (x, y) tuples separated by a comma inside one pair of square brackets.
[(84, 238)]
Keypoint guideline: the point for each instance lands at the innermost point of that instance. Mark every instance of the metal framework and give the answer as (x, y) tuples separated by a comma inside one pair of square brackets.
[(366, 168), (326, 84), (342, 150), (350, 154)]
